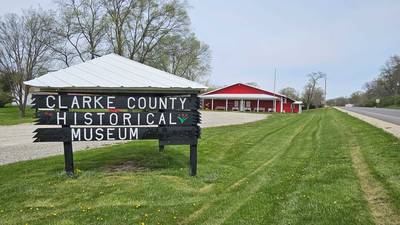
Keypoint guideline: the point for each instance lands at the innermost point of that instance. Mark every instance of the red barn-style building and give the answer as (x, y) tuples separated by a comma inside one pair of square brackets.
[(244, 97)]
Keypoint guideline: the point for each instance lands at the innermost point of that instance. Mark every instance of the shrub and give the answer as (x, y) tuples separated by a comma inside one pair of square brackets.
[(5, 98)]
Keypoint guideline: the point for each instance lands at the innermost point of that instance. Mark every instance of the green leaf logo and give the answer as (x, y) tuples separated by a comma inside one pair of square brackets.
[(182, 117)]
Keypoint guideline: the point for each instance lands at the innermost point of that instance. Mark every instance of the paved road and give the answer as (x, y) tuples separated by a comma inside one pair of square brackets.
[(16, 142), (387, 115)]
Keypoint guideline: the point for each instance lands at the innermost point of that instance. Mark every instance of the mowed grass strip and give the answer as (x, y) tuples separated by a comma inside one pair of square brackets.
[(377, 168), (287, 169), (9, 115)]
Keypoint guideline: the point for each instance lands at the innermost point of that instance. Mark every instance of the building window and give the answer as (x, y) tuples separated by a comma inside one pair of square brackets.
[(236, 104), (248, 104)]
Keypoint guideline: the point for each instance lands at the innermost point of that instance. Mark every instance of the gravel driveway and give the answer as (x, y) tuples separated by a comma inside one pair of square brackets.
[(16, 142)]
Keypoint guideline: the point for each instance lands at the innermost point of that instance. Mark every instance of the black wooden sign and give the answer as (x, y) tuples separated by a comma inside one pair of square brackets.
[(149, 102), (172, 119)]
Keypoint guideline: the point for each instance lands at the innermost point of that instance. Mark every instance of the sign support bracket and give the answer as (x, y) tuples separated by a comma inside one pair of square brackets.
[(68, 151), (193, 155), (193, 160)]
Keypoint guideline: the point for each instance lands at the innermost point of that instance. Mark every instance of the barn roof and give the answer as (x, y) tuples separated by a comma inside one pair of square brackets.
[(241, 96), (259, 93), (113, 73)]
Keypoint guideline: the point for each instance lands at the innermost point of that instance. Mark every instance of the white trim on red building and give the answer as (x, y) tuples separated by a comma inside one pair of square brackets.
[(244, 97)]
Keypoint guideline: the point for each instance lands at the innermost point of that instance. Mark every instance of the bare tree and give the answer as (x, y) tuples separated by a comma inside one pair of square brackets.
[(24, 51), (137, 27), (119, 13), (81, 30), (311, 86)]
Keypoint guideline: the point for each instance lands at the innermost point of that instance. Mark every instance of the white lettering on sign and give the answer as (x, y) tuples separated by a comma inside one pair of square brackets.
[(183, 100), (125, 118), (60, 106), (131, 103), (152, 103), (142, 103), (97, 104), (162, 119), (100, 134), (110, 102), (50, 106), (148, 120), (88, 119), (101, 117), (133, 133), (163, 103), (113, 102), (75, 103), (113, 119), (173, 103), (86, 100), (75, 134), (87, 134), (63, 118), (171, 122), (109, 130)]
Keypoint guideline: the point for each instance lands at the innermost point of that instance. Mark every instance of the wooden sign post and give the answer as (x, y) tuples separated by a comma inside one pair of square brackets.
[(172, 119)]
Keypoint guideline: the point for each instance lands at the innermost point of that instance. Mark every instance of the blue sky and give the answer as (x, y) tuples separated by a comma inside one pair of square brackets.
[(348, 40)]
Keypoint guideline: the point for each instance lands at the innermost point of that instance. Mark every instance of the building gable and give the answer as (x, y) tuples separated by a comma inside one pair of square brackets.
[(240, 88)]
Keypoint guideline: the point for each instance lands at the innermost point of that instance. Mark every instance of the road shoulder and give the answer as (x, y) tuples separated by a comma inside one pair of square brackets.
[(386, 126)]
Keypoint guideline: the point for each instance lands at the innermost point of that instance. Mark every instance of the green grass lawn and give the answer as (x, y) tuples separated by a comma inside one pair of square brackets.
[(287, 169), (9, 115)]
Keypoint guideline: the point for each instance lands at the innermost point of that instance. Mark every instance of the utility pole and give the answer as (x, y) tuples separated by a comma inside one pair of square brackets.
[(274, 89), (326, 77), (275, 81), (397, 93)]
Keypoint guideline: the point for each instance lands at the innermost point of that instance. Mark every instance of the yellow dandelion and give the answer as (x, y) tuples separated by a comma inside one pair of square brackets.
[(158, 210), (142, 223)]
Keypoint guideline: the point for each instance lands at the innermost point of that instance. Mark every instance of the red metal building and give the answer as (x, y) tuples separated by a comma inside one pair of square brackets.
[(244, 97)]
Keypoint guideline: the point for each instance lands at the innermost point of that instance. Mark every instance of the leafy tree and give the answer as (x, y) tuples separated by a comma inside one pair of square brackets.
[(5, 92), (183, 56), (254, 84), (290, 92)]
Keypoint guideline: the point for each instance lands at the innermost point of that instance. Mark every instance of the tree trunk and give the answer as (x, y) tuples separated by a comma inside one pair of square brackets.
[(21, 110)]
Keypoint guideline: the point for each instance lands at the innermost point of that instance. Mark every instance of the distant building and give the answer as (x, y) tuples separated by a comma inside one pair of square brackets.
[(244, 97)]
